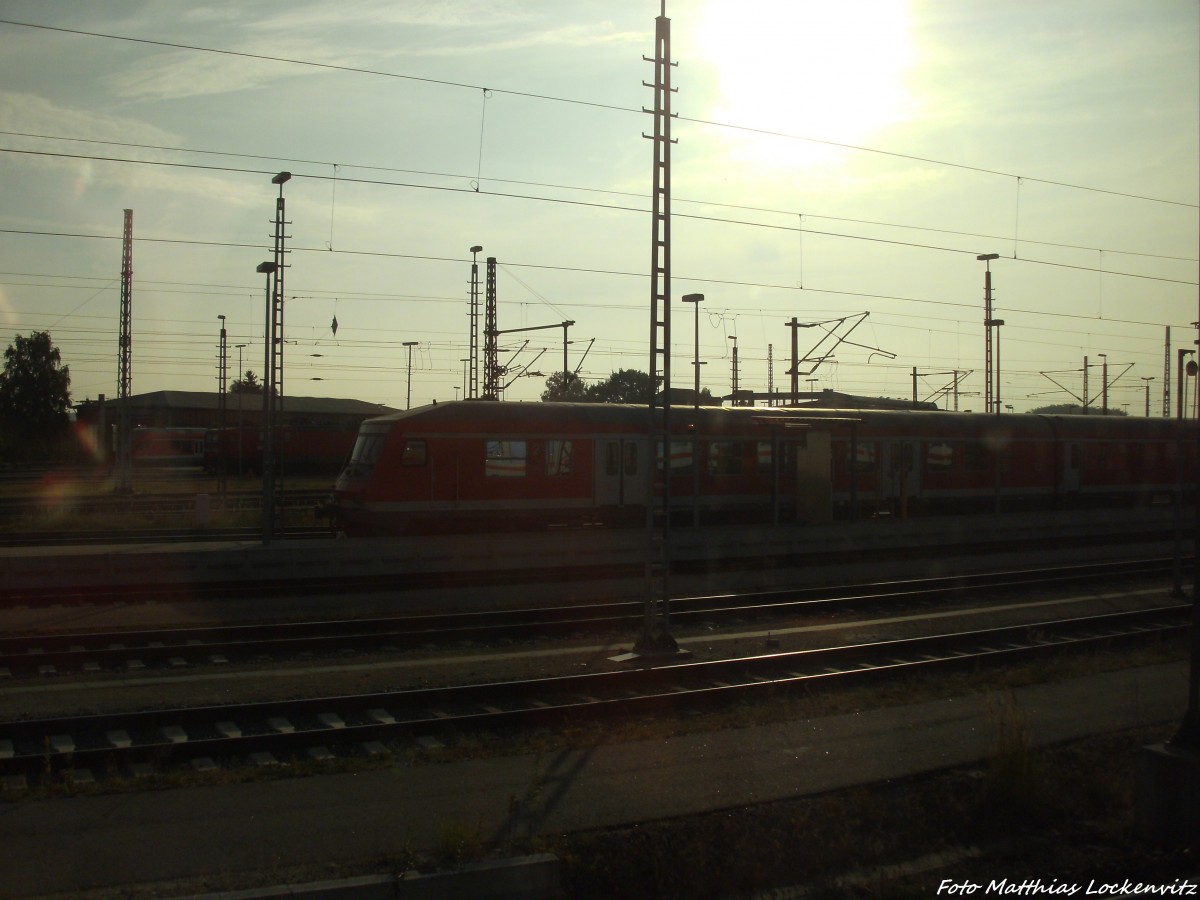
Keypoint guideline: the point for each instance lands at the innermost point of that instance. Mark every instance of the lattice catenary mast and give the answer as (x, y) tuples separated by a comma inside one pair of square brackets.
[(125, 361), (656, 635)]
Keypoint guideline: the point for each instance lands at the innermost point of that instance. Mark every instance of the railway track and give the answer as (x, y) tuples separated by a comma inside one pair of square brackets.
[(82, 748), (128, 650), (157, 536), (194, 578)]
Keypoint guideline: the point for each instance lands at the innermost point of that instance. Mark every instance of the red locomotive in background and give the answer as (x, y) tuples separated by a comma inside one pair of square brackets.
[(488, 465), (312, 450)]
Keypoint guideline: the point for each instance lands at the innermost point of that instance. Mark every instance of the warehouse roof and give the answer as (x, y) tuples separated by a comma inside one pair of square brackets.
[(209, 400)]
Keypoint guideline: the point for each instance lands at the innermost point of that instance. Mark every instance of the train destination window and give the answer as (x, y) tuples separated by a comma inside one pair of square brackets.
[(414, 453), (558, 457), (725, 458), (505, 459)]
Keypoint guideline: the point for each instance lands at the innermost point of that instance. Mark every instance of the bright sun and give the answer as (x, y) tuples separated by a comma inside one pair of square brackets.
[(826, 69)]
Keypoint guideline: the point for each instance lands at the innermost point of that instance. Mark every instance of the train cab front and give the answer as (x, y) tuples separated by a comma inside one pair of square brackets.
[(349, 510)]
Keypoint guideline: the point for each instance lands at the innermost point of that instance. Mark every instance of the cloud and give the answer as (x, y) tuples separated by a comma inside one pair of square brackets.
[(34, 114), (373, 36), (35, 122)]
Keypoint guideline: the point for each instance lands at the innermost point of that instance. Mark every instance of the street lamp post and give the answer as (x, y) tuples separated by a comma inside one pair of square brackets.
[(409, 345), (696, 300), (241, 375), (1180, 406), (268, 419), (1147, 379)]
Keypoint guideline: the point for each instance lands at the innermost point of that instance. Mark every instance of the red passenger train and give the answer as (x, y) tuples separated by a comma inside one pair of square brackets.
[(495, 465)]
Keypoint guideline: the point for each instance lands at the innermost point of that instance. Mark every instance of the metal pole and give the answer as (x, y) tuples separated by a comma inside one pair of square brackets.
[(222, 376), (265, 445), (1179, 383), (986, 259), (409, 345), (241, 375), (1104, 385), (471, 386)]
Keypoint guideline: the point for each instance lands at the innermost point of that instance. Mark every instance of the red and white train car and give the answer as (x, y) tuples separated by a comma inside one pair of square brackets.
[(495, 465)]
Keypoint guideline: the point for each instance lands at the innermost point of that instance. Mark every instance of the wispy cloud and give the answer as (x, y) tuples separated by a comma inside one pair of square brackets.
[(384, 37)]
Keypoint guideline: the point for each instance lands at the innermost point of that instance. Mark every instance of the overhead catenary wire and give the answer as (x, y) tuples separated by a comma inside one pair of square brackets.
[(593, 190), (556, 200), (579, 102)]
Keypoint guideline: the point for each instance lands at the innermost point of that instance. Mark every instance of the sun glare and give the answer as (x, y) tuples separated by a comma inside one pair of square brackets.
[(826, 69)]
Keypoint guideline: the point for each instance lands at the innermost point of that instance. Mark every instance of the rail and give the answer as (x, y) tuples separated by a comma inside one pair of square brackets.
[(263, 731)]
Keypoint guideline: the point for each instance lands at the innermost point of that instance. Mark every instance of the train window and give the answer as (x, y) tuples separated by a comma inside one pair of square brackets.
[(864, 456), (367, 448), (505, 459), (764, 456), (724, 458), (939, 457), (414, 453), (631, 458), (681, 457), (978, 457), (612, 458), (558, 457)]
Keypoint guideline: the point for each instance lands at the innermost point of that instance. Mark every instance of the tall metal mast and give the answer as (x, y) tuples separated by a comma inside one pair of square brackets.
[(1166, 404), (473, 382), (124, 481), (656, 635), (491, 361)]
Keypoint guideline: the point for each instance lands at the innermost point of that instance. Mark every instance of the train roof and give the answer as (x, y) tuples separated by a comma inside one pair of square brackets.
[(549, 417)]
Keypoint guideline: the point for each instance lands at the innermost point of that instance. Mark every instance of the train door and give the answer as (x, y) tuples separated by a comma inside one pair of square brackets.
[(813, 477), (620, 468), (904, 474)]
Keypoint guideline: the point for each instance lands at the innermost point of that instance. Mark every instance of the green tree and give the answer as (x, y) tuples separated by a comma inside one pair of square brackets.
[(35, 398), (565, 387), (247, 384), (1074, 409), (625, 386)]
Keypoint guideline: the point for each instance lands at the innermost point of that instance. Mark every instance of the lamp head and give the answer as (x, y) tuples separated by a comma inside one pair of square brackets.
[(266, 268), (281, 178)]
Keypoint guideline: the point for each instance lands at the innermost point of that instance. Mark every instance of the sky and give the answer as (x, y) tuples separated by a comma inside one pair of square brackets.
[(838, 163)]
